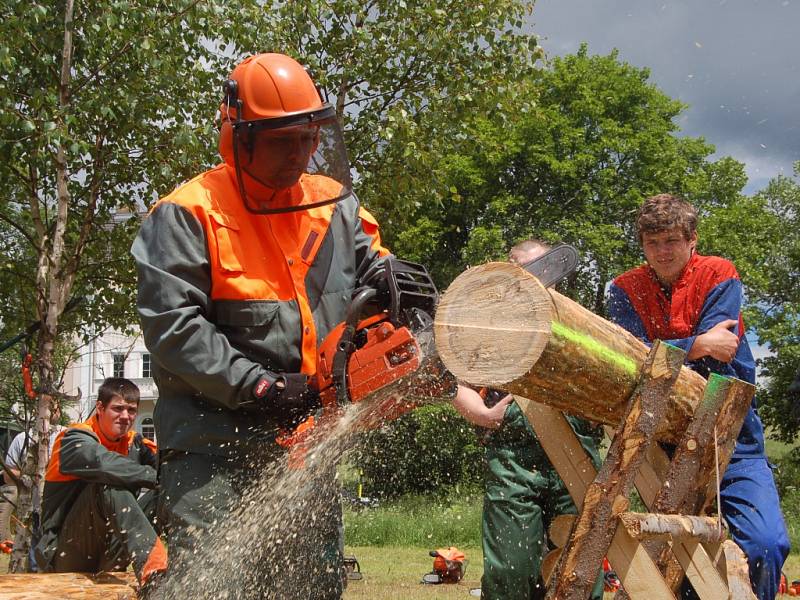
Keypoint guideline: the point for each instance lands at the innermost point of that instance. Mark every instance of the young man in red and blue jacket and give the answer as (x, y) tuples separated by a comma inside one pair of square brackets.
[(694, 302)]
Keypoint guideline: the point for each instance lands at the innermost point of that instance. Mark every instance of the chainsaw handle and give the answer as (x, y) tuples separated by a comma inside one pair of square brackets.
[(356, 308), (345, 346)]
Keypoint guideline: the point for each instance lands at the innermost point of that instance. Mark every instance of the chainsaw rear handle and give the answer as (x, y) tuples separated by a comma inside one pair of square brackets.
[(345, 347)]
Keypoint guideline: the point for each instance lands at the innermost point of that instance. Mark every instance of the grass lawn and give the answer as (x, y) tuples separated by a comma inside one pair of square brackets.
[(394, 572)]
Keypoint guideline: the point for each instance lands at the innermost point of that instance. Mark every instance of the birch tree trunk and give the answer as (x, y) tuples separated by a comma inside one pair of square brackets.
[(54, 278)]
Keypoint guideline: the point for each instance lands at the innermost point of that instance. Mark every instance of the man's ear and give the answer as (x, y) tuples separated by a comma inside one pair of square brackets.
[(98, 405), (693, 241)]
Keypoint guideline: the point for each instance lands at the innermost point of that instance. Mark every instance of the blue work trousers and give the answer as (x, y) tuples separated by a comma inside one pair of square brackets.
[(751, 507)]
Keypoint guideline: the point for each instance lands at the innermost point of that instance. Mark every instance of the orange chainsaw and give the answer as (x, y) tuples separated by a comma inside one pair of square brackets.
[(370, 352), (386, 355)]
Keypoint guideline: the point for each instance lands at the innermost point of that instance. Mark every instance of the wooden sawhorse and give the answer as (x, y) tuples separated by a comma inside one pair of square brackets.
[(684, 485)]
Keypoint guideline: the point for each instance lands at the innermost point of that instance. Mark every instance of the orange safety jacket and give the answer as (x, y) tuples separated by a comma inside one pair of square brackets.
[(227, 297), (83, 455)]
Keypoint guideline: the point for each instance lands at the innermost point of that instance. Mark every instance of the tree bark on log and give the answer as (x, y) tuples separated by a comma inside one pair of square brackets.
[(706, 447), (497, 326), (66, 586), (647, 526), (606, 497)]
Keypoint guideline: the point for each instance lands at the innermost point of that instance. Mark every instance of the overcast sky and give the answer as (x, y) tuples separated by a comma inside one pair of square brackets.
[(734, 62)]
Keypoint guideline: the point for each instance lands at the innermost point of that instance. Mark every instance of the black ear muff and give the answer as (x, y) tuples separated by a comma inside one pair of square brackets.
[(230, 89)]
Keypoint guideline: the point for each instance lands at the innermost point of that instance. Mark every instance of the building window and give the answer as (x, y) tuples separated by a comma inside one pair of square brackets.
[(119, 365), (148, 429), (147, 369)]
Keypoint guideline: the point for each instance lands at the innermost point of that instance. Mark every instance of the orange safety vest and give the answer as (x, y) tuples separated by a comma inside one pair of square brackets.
[(264, 257)]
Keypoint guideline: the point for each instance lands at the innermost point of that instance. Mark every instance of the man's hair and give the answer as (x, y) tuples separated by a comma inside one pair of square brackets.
[(526, 246), (664, 212), (117, 386)]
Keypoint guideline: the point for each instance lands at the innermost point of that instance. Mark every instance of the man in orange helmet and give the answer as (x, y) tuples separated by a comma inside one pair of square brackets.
[(242, 272)]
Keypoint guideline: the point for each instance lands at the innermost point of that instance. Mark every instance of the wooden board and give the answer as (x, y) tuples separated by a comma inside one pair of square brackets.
[(68, 586)]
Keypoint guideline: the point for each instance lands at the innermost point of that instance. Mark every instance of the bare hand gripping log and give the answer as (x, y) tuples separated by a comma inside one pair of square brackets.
[(497, 326)]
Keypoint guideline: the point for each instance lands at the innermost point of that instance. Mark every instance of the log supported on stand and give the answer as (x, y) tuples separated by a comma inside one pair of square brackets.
[(497, 326)]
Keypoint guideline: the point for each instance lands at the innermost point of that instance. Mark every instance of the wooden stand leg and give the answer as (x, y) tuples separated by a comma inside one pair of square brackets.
[(606, 496)]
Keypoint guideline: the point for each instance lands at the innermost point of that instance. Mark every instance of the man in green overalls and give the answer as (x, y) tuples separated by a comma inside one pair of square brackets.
[(523, 493)]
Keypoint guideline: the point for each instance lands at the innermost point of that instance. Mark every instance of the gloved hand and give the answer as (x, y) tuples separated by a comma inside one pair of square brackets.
[(288, 398), (375, 276)]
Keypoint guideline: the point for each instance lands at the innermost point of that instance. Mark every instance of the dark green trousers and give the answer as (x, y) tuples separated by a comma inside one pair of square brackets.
[(523, 494), (106, 530), (249, 527)]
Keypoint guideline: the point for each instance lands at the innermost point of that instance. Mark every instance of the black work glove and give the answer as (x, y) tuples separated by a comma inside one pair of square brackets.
[(288, 398), (375, 276)]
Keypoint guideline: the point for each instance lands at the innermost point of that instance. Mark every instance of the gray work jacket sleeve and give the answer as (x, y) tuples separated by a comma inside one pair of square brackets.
[(174, 303), (83, 456)]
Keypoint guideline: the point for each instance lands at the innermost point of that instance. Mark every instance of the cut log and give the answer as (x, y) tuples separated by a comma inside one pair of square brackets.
[(497, 326), (549, 564), (560, 528), (647, 526), (737, 572), (66, 586)]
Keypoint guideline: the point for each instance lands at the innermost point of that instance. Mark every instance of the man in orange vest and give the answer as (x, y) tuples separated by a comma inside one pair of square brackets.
[(242, 272), (91, 520)]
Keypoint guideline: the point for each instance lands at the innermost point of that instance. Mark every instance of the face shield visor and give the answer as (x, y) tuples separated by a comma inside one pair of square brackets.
[(291, 163)]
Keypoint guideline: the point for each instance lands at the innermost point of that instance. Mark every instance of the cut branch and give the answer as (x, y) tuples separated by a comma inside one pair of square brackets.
[(646, 526)]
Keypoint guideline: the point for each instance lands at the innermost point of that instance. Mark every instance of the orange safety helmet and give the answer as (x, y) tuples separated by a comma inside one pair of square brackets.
[(276, 132)]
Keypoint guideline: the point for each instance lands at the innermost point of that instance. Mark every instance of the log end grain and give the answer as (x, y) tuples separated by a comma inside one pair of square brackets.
[(492, 324)]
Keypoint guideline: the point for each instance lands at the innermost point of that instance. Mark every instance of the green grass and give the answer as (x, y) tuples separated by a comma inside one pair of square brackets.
[(417, 521), (777, 450), (394, 572)]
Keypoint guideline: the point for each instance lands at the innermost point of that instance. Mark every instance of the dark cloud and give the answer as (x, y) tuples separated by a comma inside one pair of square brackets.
[(734, 62)]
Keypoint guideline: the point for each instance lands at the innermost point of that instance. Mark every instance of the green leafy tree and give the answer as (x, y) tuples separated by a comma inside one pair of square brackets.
[(98, 107), (572, 164), (403, 76), (760, 234)]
